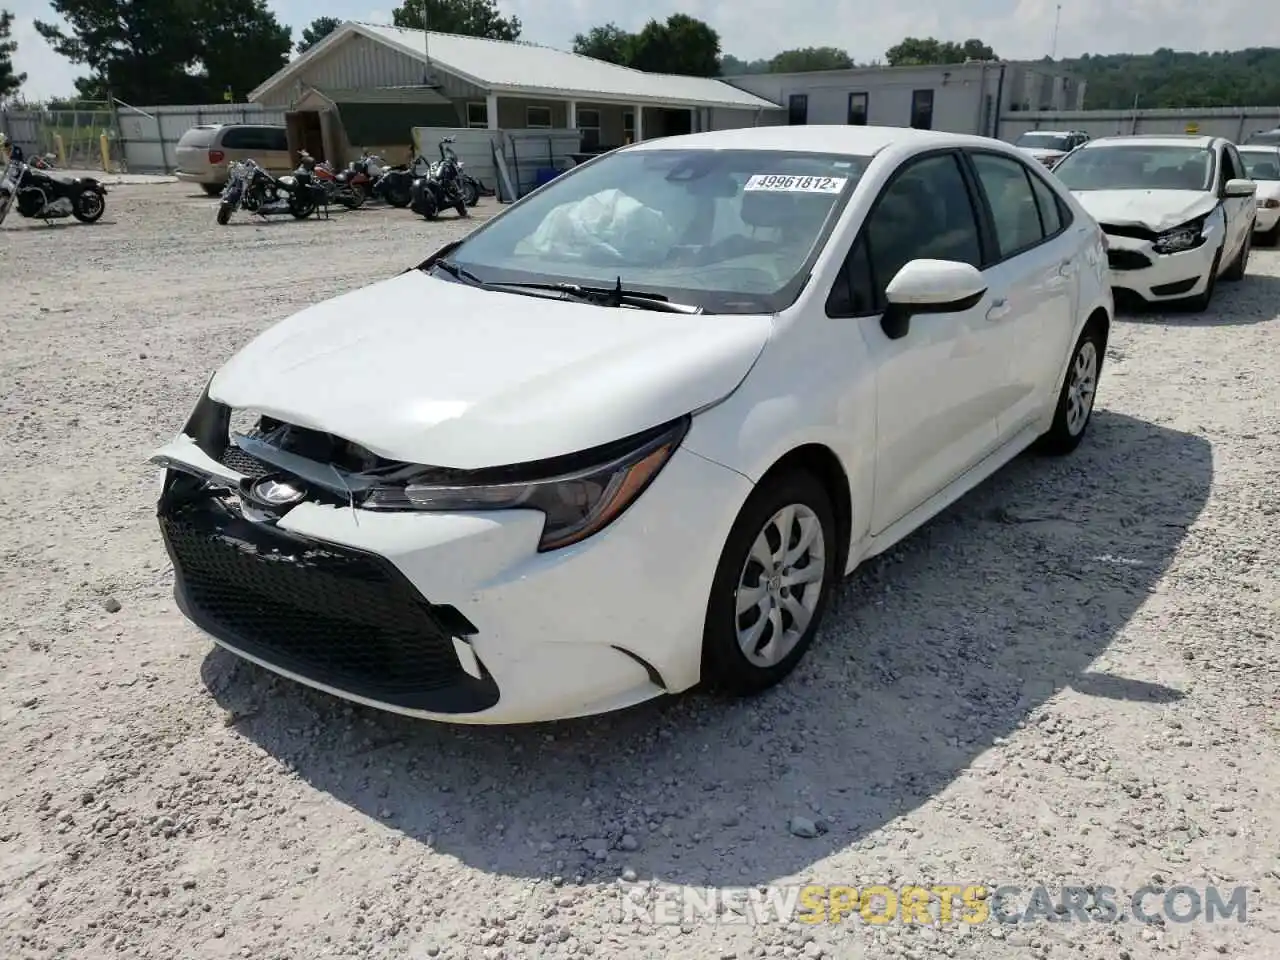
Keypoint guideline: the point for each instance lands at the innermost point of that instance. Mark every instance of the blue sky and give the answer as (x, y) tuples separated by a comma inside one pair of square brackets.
[(759, 28)]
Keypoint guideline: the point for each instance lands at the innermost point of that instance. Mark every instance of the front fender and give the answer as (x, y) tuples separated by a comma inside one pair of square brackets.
[(89, 183)]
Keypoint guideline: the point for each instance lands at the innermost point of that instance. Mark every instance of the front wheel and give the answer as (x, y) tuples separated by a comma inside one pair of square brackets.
[(1200, 303), (225, 209), (470, 192), (88, 206), (1075, 400), (771, 587), (301, 209)]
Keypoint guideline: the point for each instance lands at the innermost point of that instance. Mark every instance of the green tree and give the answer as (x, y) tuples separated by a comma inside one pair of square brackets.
[(928, 51), (609, 43), (10, 80), (1167, 78), (810, 58), (683, 45), (731, 66), (472, 18), (168, 51), (320, 28)]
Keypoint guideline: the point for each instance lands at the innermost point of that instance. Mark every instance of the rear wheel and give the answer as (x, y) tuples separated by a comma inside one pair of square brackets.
[(224, 213), (1075, 399), (88, 206), (301, 209), (771, 587)]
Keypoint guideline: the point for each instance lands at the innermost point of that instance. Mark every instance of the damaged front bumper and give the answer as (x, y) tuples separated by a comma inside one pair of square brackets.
[(449, 616)]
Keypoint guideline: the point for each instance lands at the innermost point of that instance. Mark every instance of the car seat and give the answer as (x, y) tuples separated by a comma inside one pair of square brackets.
[(1266, 171)]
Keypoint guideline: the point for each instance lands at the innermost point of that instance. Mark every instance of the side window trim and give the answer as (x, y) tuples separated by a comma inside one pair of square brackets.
[(985, 242), (991, 255)]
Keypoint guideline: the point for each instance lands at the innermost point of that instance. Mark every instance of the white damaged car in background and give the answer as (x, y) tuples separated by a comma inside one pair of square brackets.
[(1262, 164), (1178, 212), (629, 434), (1050, 146)]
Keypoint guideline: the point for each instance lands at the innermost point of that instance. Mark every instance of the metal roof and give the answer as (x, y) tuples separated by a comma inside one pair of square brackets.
[(413, 95), (529, 70)]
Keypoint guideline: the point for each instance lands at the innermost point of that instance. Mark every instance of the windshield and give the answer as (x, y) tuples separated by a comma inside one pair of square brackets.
[(1261, 164), (1137, 167), (1044, 141), (732, 231), (1266, 136)]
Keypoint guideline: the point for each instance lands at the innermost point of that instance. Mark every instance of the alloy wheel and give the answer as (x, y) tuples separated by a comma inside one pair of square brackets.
[(1081, 386), (780, 585)]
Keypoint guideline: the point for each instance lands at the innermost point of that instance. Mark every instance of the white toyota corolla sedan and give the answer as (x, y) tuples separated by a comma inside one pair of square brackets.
[(629, 434), (1178, 212)]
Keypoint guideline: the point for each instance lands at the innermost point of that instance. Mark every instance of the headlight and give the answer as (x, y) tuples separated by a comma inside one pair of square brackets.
[(1186, 237), (579, 495)]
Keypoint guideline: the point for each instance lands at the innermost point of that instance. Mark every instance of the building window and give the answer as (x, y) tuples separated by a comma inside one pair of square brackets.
[(628, 126), (922, 109), (798, 109), (589, 127), (857, 110), (478, 116), (537, 118)]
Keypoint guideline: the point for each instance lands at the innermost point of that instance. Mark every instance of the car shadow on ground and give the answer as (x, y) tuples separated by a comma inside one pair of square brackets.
[(930, 653), (1243, 303)]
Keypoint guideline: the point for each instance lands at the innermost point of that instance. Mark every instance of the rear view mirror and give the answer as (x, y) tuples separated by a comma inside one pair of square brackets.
[(1240, 188), (930, 286)]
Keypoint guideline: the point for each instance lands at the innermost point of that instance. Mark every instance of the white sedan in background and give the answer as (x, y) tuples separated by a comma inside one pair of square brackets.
[(1178, 212), (1262, 165), (1050, 146), (629, 434)]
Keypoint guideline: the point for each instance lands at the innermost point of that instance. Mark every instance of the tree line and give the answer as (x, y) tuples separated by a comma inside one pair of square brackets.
[(202, 51)]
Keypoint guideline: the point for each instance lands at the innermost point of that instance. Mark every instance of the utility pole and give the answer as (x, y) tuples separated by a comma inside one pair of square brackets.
[(1057, 19)]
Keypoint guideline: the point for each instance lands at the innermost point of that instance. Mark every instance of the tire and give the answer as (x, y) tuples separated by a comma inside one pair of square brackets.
[(1200, 303), (302, 209), (1270, 238), (470, 192), (1235, 272), (1083, 372), (726, 666), (88, 206), (461, 208), (398, 195), (426, 206), (211, 189), (224, 213)]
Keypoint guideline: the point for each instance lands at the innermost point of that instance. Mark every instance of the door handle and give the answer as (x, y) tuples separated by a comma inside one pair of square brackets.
[(999, 309)]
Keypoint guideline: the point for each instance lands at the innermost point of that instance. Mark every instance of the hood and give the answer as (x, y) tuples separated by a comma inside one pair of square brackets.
[(1042, 154), (1157, 210), (440, 373)]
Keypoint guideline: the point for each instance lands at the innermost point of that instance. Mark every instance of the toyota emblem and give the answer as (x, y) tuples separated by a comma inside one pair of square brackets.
[(277, 493)]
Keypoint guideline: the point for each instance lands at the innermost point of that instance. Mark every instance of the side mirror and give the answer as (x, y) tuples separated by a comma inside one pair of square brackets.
[(1240, 188), (930, 286)]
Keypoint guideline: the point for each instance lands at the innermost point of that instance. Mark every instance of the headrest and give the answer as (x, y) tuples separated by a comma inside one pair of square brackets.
[(1267, 171)]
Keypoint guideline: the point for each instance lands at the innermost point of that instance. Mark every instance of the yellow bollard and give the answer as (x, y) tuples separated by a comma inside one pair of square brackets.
[(104, 145), (59, 150)]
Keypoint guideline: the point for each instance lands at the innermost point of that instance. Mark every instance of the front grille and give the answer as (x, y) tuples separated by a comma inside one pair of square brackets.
[(236, 459), (1129, 230), (1127, 260), (339, 617)]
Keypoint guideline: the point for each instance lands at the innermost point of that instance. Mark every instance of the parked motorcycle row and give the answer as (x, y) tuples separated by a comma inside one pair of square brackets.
[(425, 187), (38, 194)]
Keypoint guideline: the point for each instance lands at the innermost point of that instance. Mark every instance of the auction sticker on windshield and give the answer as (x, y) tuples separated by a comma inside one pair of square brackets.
[(788, 184)]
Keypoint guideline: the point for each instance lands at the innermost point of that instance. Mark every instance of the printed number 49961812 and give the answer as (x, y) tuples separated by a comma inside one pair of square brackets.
[(798, 184)]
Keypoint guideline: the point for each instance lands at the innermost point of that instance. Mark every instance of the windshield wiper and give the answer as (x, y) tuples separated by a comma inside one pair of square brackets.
[(459, 273), (615, 296)]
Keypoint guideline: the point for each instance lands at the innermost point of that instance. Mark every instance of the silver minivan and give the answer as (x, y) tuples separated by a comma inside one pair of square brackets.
[(204, 152)]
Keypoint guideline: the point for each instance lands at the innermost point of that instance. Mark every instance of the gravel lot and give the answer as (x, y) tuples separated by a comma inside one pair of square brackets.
[(1069, 677)]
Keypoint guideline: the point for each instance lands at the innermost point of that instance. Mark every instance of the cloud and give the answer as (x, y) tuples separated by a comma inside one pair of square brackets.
[(1017, 29)]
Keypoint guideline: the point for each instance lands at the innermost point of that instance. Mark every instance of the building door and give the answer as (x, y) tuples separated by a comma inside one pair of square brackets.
[(922, 109), (857, 110), (798, 109)]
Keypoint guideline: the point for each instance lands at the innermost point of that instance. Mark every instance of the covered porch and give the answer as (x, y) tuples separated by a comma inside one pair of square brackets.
[(603, 125)]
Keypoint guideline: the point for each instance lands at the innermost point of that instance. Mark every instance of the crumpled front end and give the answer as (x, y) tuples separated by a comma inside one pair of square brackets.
[(444, 615)]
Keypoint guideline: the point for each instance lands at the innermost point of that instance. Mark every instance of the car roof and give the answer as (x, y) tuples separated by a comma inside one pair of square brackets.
[(1258, 147), (1052, 133), (1155, 140), (817, 138)]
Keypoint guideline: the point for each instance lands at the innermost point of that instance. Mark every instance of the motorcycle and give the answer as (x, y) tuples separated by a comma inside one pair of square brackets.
[(441, 187), (337, 186), (365, 174), (251, 188), (39, 196)]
